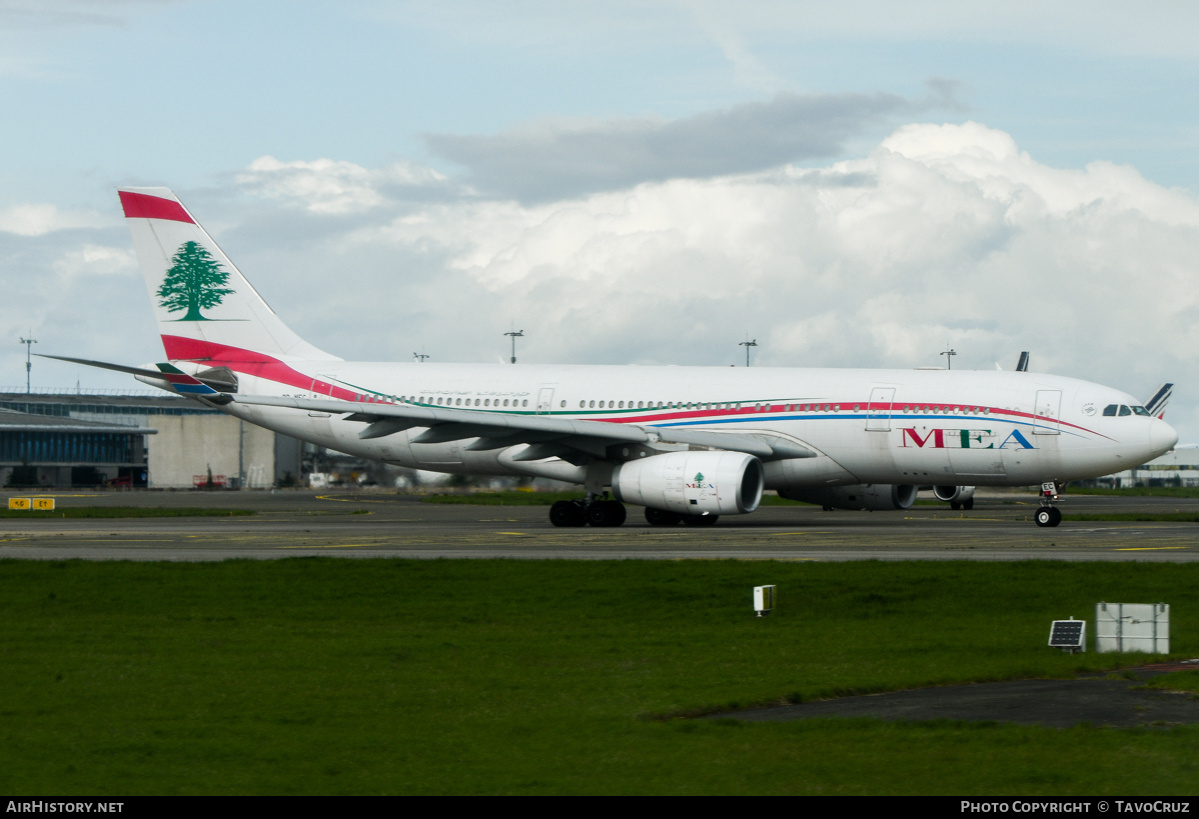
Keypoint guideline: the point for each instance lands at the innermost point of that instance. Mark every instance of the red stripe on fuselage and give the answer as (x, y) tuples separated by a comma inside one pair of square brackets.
[(249, 362), (144, 206)]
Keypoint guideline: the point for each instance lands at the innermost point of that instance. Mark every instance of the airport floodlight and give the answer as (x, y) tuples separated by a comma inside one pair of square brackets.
[(1132, 627), (747, 344), (763, 599), (1068, 635), (514, 335), (28, 342)]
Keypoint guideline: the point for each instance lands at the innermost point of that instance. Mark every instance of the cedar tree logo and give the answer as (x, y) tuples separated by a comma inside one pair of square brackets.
[(193, 282)]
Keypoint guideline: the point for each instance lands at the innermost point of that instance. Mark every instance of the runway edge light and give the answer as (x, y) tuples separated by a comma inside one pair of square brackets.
[(1068, 635), (763, 599)]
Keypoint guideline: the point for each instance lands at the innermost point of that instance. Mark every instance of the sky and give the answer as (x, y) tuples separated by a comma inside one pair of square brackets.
[(851, 184)]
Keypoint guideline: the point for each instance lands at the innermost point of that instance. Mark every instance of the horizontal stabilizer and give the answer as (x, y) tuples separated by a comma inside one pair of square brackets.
[(178, 380)]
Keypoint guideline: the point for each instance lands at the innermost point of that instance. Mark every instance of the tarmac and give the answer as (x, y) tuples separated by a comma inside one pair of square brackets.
[(290, 523)]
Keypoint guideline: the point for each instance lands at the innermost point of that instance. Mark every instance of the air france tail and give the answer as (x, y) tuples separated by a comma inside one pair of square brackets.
[(206, 310)]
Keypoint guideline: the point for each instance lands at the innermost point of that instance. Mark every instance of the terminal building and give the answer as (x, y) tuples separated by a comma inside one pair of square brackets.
[(150, 440)]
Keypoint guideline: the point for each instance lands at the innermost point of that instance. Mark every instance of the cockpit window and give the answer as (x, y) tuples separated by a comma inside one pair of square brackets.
[(1140, 411), (1110, 410), (1124, 410)]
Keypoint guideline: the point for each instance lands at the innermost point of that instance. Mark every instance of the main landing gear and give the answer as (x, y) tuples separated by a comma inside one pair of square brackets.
[(583, 513), (1048, 514), (597, 512)]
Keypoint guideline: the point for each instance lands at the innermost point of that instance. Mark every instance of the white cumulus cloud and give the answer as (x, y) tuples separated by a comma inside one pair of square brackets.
[(328, 186)]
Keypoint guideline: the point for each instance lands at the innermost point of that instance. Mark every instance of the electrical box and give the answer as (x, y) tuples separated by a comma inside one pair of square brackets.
[(763, 599), (43, 504), (1132, 627), (20, 503)]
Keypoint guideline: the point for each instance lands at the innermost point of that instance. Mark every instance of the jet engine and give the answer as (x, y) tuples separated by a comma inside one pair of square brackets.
[(950, 494), (958, 497), (871, 496), (692, 483)]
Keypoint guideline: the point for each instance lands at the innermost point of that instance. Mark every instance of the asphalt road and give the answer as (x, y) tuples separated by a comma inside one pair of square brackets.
[(380, 524)]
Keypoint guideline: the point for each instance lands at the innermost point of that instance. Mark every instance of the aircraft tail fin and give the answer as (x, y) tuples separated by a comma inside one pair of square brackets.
[(207, 311), (1157, 404), (1022, 364)]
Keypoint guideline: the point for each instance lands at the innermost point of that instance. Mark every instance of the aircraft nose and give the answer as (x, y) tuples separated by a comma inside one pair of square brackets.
[(1162, 437)]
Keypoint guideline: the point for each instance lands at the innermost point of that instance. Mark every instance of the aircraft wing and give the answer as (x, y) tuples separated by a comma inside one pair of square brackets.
[(549, 437)]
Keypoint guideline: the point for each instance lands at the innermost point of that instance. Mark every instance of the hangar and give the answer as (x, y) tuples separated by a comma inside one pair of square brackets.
[(126, 439)]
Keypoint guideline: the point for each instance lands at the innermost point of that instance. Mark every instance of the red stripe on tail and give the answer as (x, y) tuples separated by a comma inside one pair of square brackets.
[(144, 206)]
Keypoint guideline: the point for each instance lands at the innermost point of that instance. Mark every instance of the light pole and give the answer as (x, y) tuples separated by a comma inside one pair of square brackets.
[(747, 344), (515, 334), (420, 357), (949, 354), (28, 342)]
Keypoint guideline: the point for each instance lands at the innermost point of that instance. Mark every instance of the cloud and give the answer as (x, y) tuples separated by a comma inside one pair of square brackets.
[(563, 160), (39, 219), (326, 186), (941, 234)]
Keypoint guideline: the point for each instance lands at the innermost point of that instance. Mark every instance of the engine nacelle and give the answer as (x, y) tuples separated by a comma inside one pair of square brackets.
[(871, 496), (692, 483), (953, 494)]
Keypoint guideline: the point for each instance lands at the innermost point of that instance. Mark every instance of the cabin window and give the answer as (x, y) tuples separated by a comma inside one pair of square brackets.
[(525, 403), (592, 404), (622, 404), (505, 402)]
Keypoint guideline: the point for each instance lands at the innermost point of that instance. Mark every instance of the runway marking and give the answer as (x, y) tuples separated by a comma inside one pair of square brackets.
[(348, 500), (522, 534), (326, 546), (1148, 548), (776, 534)]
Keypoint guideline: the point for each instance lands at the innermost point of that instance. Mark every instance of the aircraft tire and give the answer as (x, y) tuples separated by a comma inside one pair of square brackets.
[(955, 505), (968, 504), (1048, 516), (567, 513), (660, 517), (606, 513), (700, 520)]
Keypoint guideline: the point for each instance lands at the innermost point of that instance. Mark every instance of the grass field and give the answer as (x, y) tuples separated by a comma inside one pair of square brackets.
[(360, 676)]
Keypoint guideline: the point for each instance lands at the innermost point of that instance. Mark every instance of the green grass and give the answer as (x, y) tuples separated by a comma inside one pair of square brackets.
[(122, 512), (399, 676), (513, 498), (1149, 517), (1138, 491), (1176, 681)]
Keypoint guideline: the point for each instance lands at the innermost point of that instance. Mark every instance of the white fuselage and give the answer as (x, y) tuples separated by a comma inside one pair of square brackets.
[(984, 428)]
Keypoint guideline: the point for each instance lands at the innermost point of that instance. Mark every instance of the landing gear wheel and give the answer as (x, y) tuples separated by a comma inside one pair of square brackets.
[(968, 504), (955, 505), (606, 513), (700, 520), (568, 513), (1048, 516), (660, 517)]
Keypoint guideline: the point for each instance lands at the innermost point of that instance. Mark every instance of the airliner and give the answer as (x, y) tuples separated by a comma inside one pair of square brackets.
[(689, 444)]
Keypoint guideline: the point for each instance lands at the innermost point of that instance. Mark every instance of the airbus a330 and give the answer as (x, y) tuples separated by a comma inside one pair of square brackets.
[(689, 444)]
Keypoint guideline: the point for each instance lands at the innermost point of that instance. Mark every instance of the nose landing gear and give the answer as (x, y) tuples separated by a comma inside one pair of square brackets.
[(1048, 514)]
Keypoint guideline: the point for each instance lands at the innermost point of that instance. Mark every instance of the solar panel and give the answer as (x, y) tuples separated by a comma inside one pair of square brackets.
[(1069, 635)]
